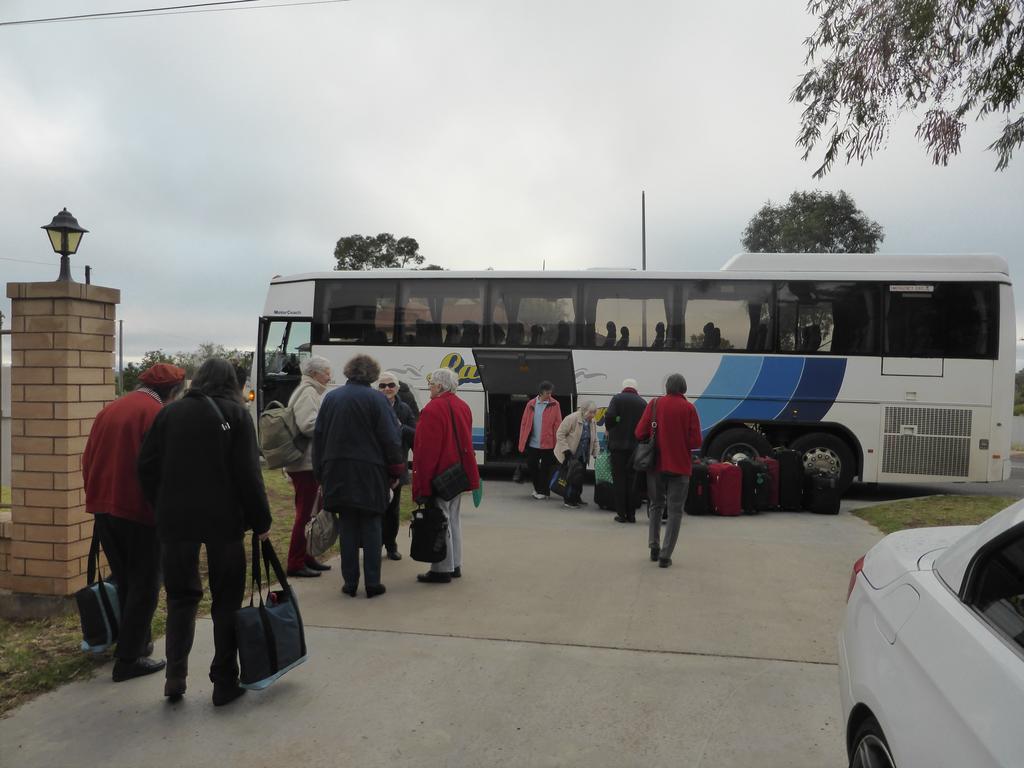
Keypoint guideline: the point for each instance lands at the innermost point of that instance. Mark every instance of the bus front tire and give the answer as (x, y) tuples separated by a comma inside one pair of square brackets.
[(739, 440)]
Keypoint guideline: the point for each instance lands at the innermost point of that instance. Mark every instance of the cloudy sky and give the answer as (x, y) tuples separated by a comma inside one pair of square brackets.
[(206, 152)]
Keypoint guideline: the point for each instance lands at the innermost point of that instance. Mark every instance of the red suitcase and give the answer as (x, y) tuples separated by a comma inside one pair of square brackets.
[(726, 488), (773, 481)]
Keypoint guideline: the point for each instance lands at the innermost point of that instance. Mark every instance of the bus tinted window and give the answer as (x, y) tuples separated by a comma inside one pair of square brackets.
[(941, 320), (540, 313), (727, 315), (356, 311), (441, 312), (833, 318), (628, 315)]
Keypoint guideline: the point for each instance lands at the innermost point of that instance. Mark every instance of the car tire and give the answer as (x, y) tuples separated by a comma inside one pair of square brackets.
[(739, 440), (869, 748), (827, 453)]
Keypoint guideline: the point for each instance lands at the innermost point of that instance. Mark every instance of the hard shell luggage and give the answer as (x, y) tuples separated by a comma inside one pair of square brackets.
[(791, 478), (754, 493), (726, 488), (604, 495), (772, 465), (698, 497), (821, 494)]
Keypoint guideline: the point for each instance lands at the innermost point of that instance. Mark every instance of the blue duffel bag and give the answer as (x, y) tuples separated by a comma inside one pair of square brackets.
[(98, 606), (271, 639)]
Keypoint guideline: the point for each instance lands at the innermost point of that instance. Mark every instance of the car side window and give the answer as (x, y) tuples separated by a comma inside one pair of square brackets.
[(999, 591)]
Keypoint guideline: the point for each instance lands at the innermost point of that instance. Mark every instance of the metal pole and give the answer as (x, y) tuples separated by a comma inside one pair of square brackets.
[(120, 356), (643, 228)]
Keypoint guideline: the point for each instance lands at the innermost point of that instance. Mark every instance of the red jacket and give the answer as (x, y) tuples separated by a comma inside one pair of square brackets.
[(434, 447), (108, 463), (678, 432), (548, 426)]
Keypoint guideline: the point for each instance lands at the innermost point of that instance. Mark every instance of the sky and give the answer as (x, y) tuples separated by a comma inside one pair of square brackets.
[(207, 152)]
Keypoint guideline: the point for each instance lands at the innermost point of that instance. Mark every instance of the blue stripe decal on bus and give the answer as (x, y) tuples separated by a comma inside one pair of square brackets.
[(478, 438), (758, 388), (775, 385), (732, 382), (819, 386)]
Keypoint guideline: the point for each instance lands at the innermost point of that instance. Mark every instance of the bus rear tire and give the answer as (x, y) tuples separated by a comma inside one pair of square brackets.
[(827, 453), (737, 440)]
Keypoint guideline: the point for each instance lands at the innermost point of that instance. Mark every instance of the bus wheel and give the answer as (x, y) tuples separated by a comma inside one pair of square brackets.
[(827, 453), (739, 440)]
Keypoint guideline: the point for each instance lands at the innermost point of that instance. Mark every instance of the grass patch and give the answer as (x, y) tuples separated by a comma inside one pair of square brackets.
[(37, 656), (933, 511), (5, 496)]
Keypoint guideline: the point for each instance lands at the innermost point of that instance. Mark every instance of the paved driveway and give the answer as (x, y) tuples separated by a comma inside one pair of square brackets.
[(563, 645)]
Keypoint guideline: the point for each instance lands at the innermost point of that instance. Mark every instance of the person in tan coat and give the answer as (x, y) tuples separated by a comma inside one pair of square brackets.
[(576, 439), (305, 404)]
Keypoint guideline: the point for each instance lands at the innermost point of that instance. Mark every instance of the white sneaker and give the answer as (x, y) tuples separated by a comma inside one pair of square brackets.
[(539, 496)]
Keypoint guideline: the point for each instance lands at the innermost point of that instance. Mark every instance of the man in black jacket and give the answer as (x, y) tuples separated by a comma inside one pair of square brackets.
[(199, 468), (620, 421)]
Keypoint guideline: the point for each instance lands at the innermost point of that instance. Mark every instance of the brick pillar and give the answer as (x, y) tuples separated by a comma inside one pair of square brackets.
[(62, 374)]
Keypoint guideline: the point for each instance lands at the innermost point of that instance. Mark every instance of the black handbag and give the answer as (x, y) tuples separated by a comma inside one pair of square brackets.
[(429, 532), (98, 606), (645, 455), (454, 480), (271, 638)]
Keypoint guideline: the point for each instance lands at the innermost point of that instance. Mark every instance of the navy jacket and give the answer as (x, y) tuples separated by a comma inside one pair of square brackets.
[(357, 448), (621, 418)]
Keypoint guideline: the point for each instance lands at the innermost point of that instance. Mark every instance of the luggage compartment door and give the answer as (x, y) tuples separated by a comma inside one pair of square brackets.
[(518, 371)]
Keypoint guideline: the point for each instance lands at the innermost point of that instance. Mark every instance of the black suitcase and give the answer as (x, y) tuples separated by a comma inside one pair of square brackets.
[(821, 494), (791, 478), (604, 495), (755, 490), (698, 497)]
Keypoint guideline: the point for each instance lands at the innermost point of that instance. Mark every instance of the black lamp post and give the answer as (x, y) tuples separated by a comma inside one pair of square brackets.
[(65, 235)]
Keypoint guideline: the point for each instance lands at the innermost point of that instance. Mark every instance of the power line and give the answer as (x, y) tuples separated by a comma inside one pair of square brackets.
[(171, 10), (33, 261)]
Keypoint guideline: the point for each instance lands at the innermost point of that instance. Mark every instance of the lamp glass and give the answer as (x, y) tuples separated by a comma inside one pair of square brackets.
[(55, 239), (74, 238)]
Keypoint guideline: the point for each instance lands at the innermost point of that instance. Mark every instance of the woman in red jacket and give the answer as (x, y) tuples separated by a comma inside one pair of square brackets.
[(677, 434), (444, 436)]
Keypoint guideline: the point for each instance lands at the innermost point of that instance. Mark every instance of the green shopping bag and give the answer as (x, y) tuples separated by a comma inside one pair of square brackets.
[(603, 468)]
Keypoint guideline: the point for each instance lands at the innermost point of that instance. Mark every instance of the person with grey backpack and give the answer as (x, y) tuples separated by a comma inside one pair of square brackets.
[(304, 405)]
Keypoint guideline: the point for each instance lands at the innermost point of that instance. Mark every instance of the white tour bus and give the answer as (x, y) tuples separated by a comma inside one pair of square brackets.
[(883, 368)]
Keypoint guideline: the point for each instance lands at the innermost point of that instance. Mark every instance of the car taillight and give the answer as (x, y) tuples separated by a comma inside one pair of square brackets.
[(857, 568)]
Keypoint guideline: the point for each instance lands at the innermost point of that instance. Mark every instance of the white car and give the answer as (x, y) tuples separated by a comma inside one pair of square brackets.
[(931, 652)]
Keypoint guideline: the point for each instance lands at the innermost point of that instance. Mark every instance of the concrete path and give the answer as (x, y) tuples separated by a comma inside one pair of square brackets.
[(563, 645)]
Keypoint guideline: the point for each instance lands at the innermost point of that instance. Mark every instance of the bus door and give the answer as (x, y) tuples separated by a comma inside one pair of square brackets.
[(510, 378), (284, 345)]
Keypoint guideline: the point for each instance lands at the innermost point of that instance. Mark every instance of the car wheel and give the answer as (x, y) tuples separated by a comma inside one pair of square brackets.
[(739, 440), (826, 453), (870, 749)]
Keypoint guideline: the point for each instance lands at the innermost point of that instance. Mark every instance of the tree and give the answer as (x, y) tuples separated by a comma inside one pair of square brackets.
[(812, 222), (949, 57), (359, 252), (190, 361)]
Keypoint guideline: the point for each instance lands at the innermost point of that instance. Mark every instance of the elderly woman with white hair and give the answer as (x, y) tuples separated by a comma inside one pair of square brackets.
[(576, 439), (305, 405), (388, 384), (444, 437)]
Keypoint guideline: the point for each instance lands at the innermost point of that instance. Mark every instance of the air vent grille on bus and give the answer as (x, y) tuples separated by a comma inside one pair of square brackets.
[(927, 441)]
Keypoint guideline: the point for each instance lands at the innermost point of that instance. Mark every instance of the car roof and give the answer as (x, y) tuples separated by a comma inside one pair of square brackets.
[(952, 564)]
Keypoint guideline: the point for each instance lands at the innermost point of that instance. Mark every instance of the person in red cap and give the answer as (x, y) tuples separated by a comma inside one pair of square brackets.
[(122, 519)]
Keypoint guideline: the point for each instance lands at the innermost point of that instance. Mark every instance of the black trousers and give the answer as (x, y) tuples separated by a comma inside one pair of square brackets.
[(390, 522), (624, 483), (541, 463), (133, 552), (226, 568)]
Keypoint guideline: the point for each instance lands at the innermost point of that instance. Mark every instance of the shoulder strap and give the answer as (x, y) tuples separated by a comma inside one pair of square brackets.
[(455, 430), (654, 417)]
